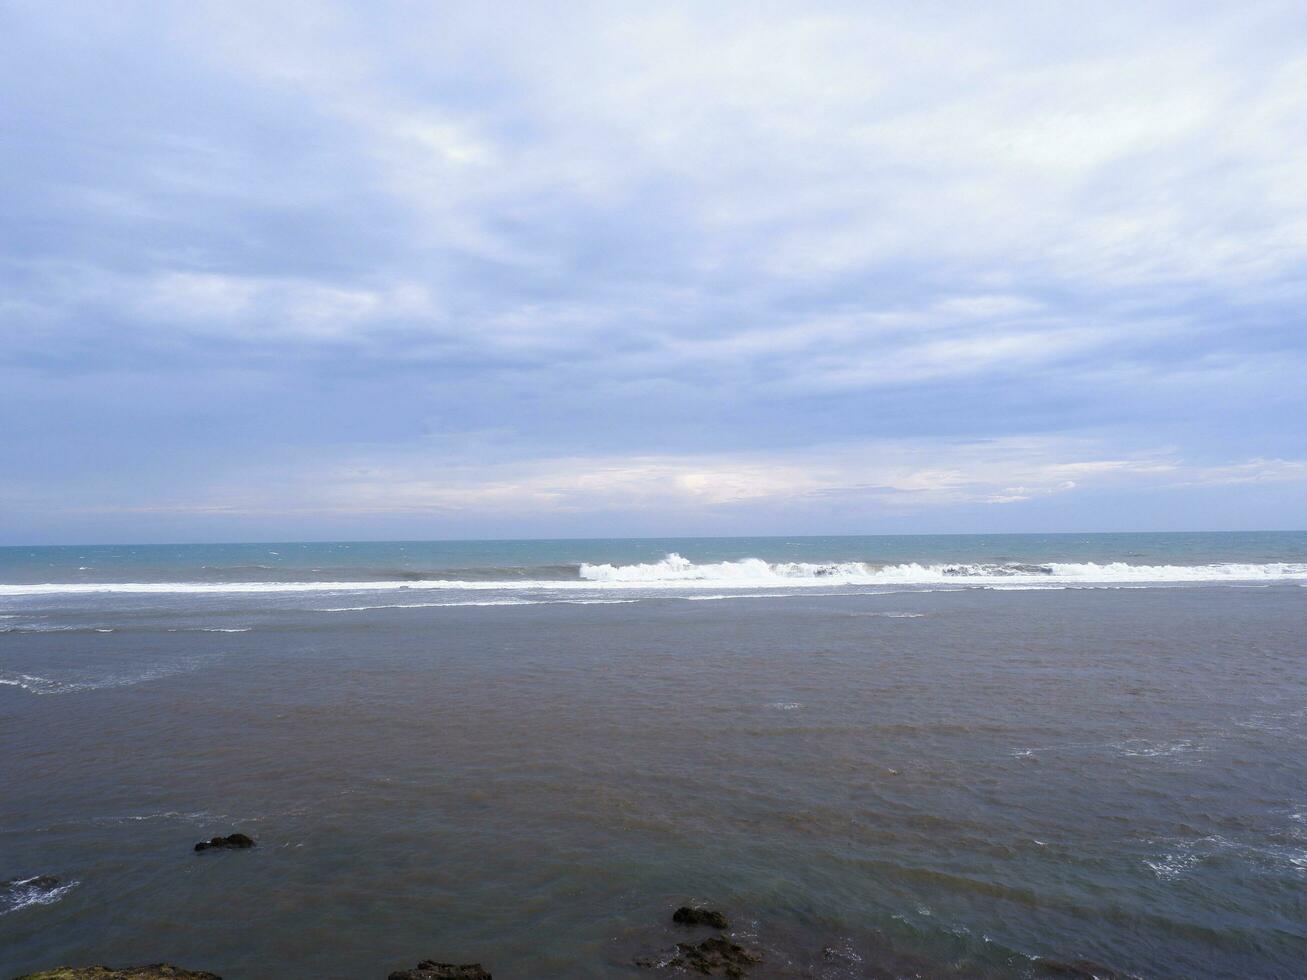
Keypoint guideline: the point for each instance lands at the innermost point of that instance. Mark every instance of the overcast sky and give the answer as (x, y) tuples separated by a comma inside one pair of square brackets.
[(408, 270)]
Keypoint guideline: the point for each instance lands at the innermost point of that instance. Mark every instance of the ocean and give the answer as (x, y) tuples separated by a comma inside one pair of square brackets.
[(954, 756)]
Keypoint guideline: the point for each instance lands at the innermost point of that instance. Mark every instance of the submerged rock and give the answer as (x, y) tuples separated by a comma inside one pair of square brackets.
[(431, 970), (17, 893), (687, 916), (230, 842), (716, 956), (156, 971), (40, 882)]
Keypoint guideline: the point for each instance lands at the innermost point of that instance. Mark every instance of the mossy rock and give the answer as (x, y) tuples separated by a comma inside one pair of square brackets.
[(156, 971)]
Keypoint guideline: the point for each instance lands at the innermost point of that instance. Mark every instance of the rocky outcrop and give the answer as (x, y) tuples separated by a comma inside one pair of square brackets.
[(230, 842), (688, 916), (156, 971), (431, 970), (716, 956)]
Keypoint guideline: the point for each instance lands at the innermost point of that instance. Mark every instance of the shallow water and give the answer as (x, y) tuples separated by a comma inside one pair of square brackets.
[(923, 778)]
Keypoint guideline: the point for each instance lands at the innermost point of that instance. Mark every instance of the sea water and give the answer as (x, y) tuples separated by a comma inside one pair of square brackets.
[(936, 756)]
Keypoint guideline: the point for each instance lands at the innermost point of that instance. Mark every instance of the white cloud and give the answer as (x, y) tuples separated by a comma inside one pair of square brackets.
[(1252, 471), (888, 476), (816, 143), (269, 307)]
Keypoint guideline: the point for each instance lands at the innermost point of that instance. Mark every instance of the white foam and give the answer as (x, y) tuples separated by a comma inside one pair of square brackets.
[(680, 574), (426, 605), (889, 615), (31, 683), (34, 684), (748, 595), (1183, 856), (487, 602), (1143, 749), (754, 571), (20, 894), (208, 629), (676, 569), (592, 602), (806, 594), (37, 628)]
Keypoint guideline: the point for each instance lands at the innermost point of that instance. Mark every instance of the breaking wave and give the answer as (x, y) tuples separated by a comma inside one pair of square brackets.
[(674, 568), (754, 571), (677, 572)]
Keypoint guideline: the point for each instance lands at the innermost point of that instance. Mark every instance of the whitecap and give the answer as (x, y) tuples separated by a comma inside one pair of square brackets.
[(1168, 867), (1183, 856), (1143, 749)]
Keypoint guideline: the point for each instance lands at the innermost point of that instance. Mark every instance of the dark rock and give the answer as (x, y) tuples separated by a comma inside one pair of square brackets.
[(716, 956), (230, 842), (156, 971), (431, 970), (687, 916)]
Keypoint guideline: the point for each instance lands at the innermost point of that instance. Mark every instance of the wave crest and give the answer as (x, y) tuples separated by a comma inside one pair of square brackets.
[(676, 572), (674, 568)]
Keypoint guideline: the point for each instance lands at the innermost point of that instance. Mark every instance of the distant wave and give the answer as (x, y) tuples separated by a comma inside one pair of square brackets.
[(488, 602), (675, 572), (45, 628), (35, 684)]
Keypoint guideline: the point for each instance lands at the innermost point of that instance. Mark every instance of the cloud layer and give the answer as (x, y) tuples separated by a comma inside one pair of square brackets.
[(428, 270)]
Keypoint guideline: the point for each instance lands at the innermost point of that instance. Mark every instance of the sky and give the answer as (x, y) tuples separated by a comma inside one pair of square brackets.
[(275, 271)]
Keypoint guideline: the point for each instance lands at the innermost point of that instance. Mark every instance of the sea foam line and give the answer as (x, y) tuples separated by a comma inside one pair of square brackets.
[(487, 602), (675, 572)]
